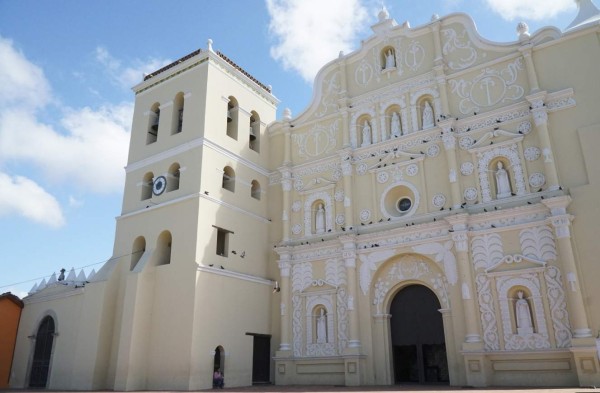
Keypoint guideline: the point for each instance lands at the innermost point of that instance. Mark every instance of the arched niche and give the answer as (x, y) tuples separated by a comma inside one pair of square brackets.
[(357, 125), (311, 208)]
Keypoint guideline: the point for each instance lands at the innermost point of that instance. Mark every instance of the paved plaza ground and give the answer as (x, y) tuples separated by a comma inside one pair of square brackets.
[(358, 389)]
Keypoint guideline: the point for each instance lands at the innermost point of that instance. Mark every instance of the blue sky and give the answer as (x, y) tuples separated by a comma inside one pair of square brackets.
[(66, 68)]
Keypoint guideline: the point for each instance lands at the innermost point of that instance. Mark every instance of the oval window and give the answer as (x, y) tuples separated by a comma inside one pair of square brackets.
[(404, 205)]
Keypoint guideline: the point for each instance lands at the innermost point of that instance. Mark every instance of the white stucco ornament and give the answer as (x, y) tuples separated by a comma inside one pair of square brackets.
[(297, 229), (382, 177), (370, 263), (532, 153), (338, 196), (296, 206), (466, 168), (537, 179), (438, 200), (412, 170), (365, 214), (433, 151), (470, 194), (443, 254)]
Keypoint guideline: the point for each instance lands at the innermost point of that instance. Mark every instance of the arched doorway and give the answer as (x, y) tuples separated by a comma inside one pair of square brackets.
[(417, 332), (38, 378), (219, 361)]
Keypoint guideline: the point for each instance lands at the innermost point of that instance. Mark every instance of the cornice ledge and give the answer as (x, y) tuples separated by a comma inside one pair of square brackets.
[(237, 275)]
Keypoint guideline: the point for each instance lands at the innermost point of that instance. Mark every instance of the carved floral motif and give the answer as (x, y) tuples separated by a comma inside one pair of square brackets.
[(470, 194), (532, 153), (433, 151), (466, 168), (537, 179), (438, 200)]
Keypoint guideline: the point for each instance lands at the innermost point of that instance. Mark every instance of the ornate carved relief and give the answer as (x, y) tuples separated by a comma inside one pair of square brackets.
[(438, 200), (538, 243), (537, 179), (363, 73), (301, 276), (331, 87), (466, 168), (532, 153), (489, 88), (296, 206), (487, 311), (444, 255), (339, 196), (297, 229), (365, 214), (487, 250), (414, 55), (460, 46), (470, 194), (408, 268), (335, 272), (558, 307), (369, 263), (412, 170), (433, 151), (318, 140)]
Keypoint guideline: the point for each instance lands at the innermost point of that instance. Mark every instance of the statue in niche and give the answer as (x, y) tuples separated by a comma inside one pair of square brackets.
[(366, 134), (502, 183), (427, 116), (396, 130), (523, 315), (320, 220), (322, 328), (390, 61)]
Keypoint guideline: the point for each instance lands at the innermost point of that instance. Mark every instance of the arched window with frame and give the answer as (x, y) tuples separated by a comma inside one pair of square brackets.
[(137, 250), (163, 248), (173, 177), (153, 123), (147, 186), (232, 118), (228, 181), (254, 130), (255, 190), (177, 121)]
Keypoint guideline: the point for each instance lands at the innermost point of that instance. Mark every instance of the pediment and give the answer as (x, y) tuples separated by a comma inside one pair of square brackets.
[(515, 262), (319, 286)]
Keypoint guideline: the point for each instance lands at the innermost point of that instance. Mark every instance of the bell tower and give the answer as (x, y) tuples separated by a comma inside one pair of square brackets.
[(191, 240)]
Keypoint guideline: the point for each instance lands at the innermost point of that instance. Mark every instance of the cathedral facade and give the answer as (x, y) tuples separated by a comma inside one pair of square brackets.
[(429, 218)]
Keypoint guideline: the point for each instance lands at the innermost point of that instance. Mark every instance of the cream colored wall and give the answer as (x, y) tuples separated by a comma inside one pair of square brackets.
[(65, 311)]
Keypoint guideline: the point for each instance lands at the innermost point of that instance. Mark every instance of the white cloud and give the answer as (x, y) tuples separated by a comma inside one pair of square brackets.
[(128, 76), (81, 148), (310, 33), (531, 9), (22, 81), (22, 196), (89, 155)]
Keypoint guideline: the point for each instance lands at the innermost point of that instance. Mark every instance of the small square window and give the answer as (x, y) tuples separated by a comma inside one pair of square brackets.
[(222, 242)]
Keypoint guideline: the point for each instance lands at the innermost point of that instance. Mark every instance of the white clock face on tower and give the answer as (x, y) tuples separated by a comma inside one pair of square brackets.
[(159, 185)]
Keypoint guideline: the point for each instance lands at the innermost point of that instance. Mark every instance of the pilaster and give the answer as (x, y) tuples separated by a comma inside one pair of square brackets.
[(285, 305), (349, 256), (540, 118), (450, 146), (346, 163), (561, 221)]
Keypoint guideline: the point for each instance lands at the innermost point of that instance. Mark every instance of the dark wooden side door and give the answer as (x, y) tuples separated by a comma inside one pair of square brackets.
[(261, 359)]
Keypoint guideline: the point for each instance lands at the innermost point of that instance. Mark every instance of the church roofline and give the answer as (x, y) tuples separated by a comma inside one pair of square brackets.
[(221, 55)]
